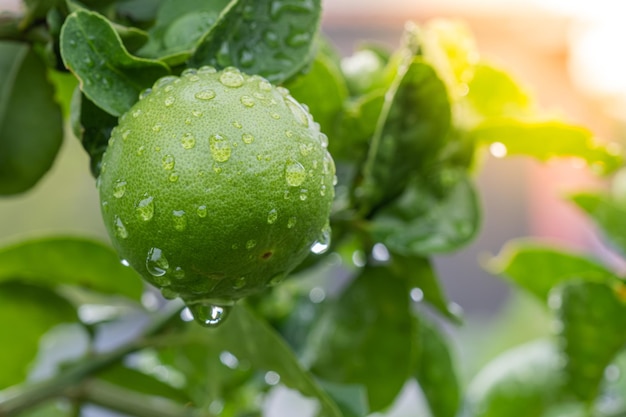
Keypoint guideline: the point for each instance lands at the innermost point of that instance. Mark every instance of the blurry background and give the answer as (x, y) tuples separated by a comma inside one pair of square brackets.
[(565, 51)]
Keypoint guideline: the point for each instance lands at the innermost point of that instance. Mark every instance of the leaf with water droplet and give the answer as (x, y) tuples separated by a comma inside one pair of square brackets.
[(234, 42), (208, 314), (106, 47)]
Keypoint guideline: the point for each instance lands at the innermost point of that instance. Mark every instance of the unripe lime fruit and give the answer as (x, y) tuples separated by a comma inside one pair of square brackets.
[(215, 185)]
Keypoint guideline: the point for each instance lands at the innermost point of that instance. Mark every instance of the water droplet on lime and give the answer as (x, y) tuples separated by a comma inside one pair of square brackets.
[(202, 211), (247, 101), (120, 229), (220, 148), (205, 95), (231, 77), (291, 222), (272, 216), (145, 209), (119, 189), (209, 315), (180, 220), (297, 111), (174, 176), (250, 244), (247, 138), (295, 174), (169, 101), (168, 162), (188, 141), (156, 263)]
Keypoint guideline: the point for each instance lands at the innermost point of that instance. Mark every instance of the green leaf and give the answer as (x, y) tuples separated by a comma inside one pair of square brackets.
[(31, 125), (179, 27), (254, 342), (548, 139), (351, 399), (419, 273), (405, 141), (28, 311), (494, 93), (522, 382), (593, 330), (356, 126), (108, 75), (608, 213), (365, 337), (538, 267), (325, 100), (37, 9), (69, 261), (424, 220), (436, 371), (92, 126), (270, 38), (365, 70), (137, 381)]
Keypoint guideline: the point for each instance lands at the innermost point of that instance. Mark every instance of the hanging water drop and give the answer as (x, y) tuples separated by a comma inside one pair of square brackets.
[(209, 315), (156, 263), (322, 243)]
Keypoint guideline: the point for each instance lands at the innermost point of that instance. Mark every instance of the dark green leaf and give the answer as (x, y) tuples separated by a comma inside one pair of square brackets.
[(37, 9), (137, 381), (356, 127), (366, 337), (538, 267), (109, 76), (93, 127), (270, 38), (140, 12), (31, 126), (406, 141), (436, 371), (419, 273), (593, 331), (494, 93), (325, 100), (424, 220), (545, 140), (522, 382), (253, 341), (69, 261), (26, 313), (608, 213), (179, 26)]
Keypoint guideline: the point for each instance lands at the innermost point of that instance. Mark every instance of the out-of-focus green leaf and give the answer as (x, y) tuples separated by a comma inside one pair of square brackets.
[(108, 75), (435, 371), (323, 90), (92, 126), (277, 46), (69, 261), (538, 267), (31, 125), (522, 382), (37, 9), (593, 331), (140, 382), (449, 46), (139, 12), (351, 399), (608, 213), (365, 337), (179, 26), (405, 140), (252, 341), (548, 139), (49, 409), (419, 273), (356, 126), (26, 313), (423, 221), (64, 86), (494, 93)]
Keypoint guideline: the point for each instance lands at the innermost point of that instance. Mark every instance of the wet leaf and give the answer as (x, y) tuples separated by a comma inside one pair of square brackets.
[(424, 220), (109, 76), (522, 382), (69, 261), (276, 47), (365, 336), (31, 125), (539, 267), (435, 370), (26, 313), (405, 141), (593, 330)]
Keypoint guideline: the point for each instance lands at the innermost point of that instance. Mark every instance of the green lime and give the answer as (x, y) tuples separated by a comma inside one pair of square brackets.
[(215, 185)]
